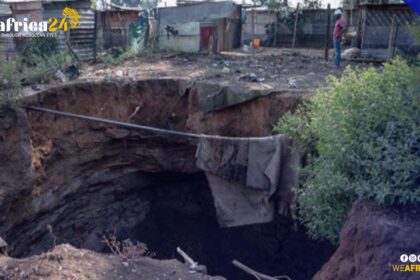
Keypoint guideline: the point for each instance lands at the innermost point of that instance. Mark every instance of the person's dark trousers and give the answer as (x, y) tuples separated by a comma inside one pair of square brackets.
[(337, 47)]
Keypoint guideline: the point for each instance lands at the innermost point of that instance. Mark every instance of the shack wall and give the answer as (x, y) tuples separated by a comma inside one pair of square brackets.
[(187, 22), (81, 38), (7, 45), (114, 27), (187, 40), (376, 29), (312, 32)]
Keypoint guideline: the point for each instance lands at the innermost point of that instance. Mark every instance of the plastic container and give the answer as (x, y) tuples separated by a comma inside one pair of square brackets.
[(256, 42)]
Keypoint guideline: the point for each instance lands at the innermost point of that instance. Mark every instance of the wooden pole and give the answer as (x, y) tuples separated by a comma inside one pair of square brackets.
[(358, 39), (275, 28), (327, 32), (95, 34), (295, 27), (253, 32), (257, 274), (392, 38)]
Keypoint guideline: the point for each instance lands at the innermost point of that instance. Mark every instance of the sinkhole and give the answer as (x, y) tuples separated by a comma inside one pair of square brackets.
[(71, 181)]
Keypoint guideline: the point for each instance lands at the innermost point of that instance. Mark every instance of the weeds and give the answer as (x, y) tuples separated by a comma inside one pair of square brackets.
[(37, 62), (44, 68), (119, 59), (10, 85), (126, 248)]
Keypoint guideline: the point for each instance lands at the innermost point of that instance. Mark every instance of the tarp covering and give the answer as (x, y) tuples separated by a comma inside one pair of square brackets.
[(249, 177)]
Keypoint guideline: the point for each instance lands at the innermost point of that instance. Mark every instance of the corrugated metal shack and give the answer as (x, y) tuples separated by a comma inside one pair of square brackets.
[(214, 26), (114, 19), (312, 31), (375, 30), (82, 39), (262, 18), (7, 45)]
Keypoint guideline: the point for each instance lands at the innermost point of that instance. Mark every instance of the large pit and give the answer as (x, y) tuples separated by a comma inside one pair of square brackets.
[(77, 181)]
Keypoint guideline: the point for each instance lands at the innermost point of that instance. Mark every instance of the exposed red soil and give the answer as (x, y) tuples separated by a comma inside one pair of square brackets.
[(371, 241)]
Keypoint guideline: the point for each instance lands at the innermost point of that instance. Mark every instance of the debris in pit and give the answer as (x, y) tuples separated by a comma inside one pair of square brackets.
[(84, 264), (193, 266), (256, 274)]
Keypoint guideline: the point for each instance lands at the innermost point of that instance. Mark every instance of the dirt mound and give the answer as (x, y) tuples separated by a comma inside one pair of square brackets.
[(372, 240), (67, 262)]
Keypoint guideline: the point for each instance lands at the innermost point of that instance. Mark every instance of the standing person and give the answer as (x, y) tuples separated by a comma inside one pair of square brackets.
[(339, 29)]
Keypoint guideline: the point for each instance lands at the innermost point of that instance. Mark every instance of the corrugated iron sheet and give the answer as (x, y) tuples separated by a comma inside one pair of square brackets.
[(377, 29), (7, 46), (82, 38), (113, 5), (383, 16), (198, 12), (5, 10)]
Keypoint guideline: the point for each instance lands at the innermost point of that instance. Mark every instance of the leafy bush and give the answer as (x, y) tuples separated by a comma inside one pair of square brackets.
[(10, 86), (44, 68), (40, 59), (362, 137), (38, 47)]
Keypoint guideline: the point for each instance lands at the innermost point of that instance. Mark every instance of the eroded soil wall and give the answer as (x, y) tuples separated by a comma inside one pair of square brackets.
[(74, 181)]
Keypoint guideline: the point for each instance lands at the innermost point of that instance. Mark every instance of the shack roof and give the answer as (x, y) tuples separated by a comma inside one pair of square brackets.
[(115, 5), (198, 12)]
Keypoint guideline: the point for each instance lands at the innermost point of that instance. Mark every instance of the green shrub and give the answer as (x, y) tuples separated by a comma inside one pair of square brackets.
[(362, 137), (44, 68), (10, 86), (38, 47), (40, 60)]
